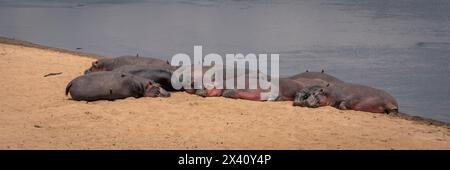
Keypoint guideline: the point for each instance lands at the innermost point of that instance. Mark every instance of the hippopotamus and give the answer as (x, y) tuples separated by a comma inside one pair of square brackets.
[(109, 64), (203, 91), (347, 96), (287, 90), (160, 76), (111, 86), (317, 75)]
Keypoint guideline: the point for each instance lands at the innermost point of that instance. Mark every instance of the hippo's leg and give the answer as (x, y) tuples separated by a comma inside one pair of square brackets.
[(190, 91), (214, 92), (201, 92), (343, 105), (369, 105), (347, 103), (271, 97), (369, 108), (254, 95), (209, 93), (228, 93)]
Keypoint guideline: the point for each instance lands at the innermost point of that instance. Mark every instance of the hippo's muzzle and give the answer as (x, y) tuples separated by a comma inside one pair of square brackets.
[(300, 99), (155, 90), (163, 93)]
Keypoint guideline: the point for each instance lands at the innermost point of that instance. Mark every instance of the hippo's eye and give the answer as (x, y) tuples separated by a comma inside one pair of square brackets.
[(305, 96)]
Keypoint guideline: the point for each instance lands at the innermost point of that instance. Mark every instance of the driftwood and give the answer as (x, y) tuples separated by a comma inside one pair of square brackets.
[(53, 74)]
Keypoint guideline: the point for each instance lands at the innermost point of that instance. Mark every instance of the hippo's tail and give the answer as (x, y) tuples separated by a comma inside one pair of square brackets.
[(68, 88)]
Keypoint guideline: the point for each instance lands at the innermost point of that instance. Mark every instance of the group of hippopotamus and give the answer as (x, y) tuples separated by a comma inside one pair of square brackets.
[(134, 76)]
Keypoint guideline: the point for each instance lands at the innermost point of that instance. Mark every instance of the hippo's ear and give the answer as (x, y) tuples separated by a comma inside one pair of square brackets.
[(152, 83), (149, 84)]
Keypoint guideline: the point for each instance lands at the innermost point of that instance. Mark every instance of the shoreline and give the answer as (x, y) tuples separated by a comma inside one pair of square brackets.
[(11, 41), (35, 114)]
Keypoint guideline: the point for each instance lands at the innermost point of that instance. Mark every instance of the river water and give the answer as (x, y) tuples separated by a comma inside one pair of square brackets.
[(400, 46)]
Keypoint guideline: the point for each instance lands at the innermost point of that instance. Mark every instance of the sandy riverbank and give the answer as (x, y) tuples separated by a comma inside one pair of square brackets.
[(35, 114)]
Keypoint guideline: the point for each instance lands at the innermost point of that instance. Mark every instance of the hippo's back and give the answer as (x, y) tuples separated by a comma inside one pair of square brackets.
[(366, 91), (104, 86), (158, 75), (317, 75), (135, 60)]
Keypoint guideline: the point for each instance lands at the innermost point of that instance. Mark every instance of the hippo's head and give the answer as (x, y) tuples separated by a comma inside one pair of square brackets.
[(98, 65), (313, 96), (155, 90), (300, 98)]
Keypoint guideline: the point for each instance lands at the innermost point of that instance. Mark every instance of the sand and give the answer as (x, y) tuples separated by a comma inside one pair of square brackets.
[(35, 114)]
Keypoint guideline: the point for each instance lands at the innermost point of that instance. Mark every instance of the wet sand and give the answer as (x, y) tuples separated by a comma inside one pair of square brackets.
[(35, 114)]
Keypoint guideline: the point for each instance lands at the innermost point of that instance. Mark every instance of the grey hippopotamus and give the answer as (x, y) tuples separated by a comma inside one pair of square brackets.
[(109, 64), (347, 96), (203, 91), (287, 90), (160, 76), (317, 75), (111, 86)]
